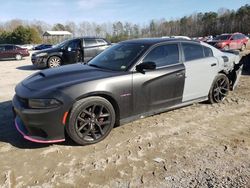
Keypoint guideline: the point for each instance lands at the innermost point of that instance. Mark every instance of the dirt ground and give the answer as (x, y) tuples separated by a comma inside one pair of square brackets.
[(201, 145)]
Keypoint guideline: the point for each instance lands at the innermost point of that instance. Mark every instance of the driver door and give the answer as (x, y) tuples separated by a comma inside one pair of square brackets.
[(73, 52), (162, 87)]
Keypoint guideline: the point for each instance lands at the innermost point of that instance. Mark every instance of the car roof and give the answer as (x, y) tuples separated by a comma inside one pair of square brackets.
[(87, 38), (152, 41)]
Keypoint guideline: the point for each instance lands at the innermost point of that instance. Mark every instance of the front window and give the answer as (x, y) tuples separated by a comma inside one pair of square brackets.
[(223, 37), (75, 45), (118, 57), (164, 55)]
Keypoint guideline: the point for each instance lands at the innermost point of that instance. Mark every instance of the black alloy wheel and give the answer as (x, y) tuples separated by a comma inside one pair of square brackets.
[(219, 90), (91, 120)]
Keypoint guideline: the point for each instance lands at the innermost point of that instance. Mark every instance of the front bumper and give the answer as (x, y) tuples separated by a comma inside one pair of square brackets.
[(39, 62), (38, 125), (24, 132)]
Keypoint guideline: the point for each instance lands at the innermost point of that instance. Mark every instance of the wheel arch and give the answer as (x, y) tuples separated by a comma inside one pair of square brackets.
[(106, 96), (231, 77), (54, 55)]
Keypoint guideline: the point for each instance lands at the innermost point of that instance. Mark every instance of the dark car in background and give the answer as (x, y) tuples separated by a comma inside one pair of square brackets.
[(42, 46), (8, 51), (235, 41), (70, 51)]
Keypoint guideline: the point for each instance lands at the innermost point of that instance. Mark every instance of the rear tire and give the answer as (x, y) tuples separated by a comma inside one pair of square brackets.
[(219, 89), (18, 57), (54, 61), (90, 120)]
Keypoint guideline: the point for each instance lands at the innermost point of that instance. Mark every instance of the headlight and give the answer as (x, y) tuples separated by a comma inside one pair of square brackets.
[(41, 54), (44, 103)]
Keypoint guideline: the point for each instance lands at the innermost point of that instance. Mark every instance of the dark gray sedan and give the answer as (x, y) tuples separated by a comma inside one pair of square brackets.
[(131, 79)]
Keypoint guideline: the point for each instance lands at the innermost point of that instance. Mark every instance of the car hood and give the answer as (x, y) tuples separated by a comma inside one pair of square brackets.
[(48, 50), (65, 76)]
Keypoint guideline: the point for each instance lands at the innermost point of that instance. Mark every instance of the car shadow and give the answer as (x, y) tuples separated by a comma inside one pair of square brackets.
[(246, 65), (27, 67), (9, 134)]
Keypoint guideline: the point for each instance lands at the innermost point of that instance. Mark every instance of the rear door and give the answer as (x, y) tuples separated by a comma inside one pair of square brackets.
[(201, 69), (162, 87), (90, 48)]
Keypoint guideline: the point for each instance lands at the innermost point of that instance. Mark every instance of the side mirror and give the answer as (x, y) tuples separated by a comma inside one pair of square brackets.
[(145, 66), (69, 49)]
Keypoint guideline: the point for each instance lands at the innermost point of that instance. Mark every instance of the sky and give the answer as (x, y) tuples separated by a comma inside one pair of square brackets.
[(100, 11)]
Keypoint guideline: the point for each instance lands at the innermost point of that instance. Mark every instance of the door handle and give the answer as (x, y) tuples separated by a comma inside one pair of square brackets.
[(214, 64), (180, 74)]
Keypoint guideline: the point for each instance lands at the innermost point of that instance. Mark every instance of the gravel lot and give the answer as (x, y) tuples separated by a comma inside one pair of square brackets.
[(201, 145)]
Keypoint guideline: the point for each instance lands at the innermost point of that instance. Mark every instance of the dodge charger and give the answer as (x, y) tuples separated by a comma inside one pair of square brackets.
[(131, 79)]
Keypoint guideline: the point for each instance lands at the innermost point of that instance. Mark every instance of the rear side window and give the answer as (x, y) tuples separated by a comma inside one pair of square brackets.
[(192, 51), (101, 42), (163, 55), (241, 36), (9, 48), (90, 42), (208, 52)]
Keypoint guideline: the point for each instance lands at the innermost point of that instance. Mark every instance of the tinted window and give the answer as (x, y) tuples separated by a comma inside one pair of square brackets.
[(90, 42), (192, 51), (2, 48), (163, 55), (235, 37), (9, 48), (241, 36), (75, 44), (207, 51), (101, 42), (222, 37), (119, 57)]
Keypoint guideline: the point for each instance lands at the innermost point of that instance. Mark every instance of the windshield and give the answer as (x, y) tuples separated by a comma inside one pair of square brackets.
[(62, 44), (223, 37), (118, 57)]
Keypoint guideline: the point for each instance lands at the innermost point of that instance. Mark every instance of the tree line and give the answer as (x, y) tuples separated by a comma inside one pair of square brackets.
[(195, 25)]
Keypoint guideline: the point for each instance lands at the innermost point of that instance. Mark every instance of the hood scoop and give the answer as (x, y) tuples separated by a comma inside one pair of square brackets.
[(42, 74)]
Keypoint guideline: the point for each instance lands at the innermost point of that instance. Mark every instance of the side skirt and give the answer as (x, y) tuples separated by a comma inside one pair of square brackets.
[(151, 113)]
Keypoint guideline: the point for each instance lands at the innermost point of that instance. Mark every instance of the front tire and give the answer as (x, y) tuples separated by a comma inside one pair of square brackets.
[(90, 120), (219, 89), (54, 61), (226, 47), (243, 47)]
